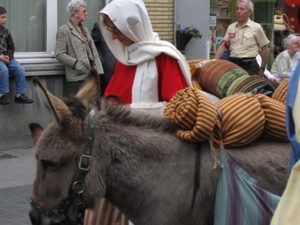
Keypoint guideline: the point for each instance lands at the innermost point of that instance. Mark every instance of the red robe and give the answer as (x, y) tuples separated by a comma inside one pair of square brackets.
[(170, 79)]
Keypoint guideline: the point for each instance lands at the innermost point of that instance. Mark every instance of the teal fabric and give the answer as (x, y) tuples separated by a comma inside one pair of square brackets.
[(240, 199)]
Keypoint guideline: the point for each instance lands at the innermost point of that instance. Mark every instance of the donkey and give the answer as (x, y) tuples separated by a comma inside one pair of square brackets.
[(134, 161)]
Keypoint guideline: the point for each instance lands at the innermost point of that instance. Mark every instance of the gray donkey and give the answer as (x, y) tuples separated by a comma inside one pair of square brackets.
[(134, 161)]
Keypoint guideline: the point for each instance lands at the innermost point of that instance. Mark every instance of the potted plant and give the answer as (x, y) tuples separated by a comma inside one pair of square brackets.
[(184, 35)]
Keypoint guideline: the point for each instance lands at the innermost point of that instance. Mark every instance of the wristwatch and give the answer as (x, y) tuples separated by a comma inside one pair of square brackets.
[(262, 68)]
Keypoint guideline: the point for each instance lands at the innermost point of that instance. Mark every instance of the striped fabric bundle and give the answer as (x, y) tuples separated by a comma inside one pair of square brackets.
[(225, 82), (194, 113), (195, 69), (274, 111), (280, 92), (196, 83), (105, 214), (212, 72), (195, 61), (257, 83), (242, 122), (197, 65), (235, 84)]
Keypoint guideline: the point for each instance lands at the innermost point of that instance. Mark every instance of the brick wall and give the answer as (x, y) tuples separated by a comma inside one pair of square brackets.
[(161, 14)]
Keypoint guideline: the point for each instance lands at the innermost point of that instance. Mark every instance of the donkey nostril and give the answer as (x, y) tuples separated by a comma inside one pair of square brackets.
[(33, 220)]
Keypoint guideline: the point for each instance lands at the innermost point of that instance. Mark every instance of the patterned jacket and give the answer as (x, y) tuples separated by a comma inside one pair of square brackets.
[(71, 51)]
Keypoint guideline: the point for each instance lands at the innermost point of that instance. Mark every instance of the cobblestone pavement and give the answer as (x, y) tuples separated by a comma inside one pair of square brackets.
[(17, 172), (14, 205)]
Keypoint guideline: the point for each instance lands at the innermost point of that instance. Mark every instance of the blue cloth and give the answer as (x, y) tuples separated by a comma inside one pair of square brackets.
[(16, 70), (290, 125), (240, 199)]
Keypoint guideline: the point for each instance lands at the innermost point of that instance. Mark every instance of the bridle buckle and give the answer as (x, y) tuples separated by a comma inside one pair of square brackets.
[(58, 217), (84, 163)]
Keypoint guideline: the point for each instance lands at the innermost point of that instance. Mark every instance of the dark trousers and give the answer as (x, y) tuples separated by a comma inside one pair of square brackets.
[(249, 64), (72, 88)]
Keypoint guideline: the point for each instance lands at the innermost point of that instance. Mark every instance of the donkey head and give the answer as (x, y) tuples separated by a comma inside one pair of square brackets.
[(58, 151)]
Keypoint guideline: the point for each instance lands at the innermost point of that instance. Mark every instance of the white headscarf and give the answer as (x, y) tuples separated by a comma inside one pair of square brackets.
[(131, 18)]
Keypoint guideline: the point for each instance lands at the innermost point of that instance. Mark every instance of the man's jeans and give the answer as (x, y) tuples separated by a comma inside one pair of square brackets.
[(14, 69)]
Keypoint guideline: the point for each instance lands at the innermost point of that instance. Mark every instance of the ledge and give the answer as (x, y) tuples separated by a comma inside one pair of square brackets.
[(44, 69)]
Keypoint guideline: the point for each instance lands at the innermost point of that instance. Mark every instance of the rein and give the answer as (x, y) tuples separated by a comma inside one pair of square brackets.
[(58, 216)]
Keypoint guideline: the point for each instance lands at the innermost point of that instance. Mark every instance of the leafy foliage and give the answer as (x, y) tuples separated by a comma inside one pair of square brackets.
[(190, 31)]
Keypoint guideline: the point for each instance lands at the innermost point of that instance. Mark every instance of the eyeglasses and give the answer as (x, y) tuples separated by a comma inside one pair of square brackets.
[(114, 30)]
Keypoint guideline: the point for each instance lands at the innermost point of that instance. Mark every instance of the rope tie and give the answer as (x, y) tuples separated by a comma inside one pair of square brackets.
[(217, 163)]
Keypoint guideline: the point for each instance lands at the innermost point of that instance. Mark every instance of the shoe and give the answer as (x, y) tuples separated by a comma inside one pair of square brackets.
[(4, 100), (23, 99)]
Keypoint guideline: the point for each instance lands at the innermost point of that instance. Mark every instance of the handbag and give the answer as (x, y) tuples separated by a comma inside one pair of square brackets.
[(287, 211)]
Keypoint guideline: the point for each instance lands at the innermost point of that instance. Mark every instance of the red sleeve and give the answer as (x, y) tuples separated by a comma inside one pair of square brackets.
[(121, 82), (170, 77)]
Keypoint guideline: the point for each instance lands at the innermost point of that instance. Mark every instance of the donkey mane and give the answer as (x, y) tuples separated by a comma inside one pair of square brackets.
[(122, 115)]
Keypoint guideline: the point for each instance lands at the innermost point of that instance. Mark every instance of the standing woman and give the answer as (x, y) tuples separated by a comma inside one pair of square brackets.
[(148, 73), (75, 47)]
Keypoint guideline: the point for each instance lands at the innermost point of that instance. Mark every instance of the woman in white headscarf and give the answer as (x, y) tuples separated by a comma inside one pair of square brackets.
[(147, 74), (149, 71)]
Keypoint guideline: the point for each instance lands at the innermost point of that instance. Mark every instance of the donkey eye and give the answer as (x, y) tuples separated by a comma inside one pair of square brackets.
[(48, 165)]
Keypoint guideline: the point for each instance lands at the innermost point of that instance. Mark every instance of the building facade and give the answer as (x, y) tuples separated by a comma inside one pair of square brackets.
[(33, 24)]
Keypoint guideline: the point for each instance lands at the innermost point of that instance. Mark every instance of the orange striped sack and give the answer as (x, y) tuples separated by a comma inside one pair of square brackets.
[(275, 128), (194, 62), (105, 214), (194, 113), (280, 92), (242, 120), (196, 83)]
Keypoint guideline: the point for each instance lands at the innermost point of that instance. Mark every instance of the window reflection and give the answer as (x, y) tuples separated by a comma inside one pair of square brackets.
[(26, 20)]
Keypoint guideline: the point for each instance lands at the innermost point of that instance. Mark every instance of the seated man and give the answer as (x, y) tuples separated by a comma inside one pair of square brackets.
[(282, 65), (8, 65)]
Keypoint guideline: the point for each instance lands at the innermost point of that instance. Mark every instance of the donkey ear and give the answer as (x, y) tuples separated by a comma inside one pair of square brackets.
[(36, 131), (89, 91), (59, 109)]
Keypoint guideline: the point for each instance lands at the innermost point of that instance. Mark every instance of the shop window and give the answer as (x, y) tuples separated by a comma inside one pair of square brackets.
[(220, 18), (26, 21), (286, 21), (34, 23)]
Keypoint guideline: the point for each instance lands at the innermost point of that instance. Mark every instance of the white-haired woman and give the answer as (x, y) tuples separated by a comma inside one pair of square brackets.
[(282, 66), (75, 47)]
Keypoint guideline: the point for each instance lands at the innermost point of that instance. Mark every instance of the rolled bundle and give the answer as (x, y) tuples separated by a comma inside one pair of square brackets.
[(194, 113), (242, 120), (275, 128), (194, 61), (228, 79), (257, 83), (232, 89), (212, 72), (280, 92)]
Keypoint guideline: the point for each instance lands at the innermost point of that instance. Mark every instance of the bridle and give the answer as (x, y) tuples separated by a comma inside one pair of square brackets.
[(58, 216)]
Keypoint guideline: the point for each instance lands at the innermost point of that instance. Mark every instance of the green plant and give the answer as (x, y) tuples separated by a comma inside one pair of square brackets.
[(192, 31)]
